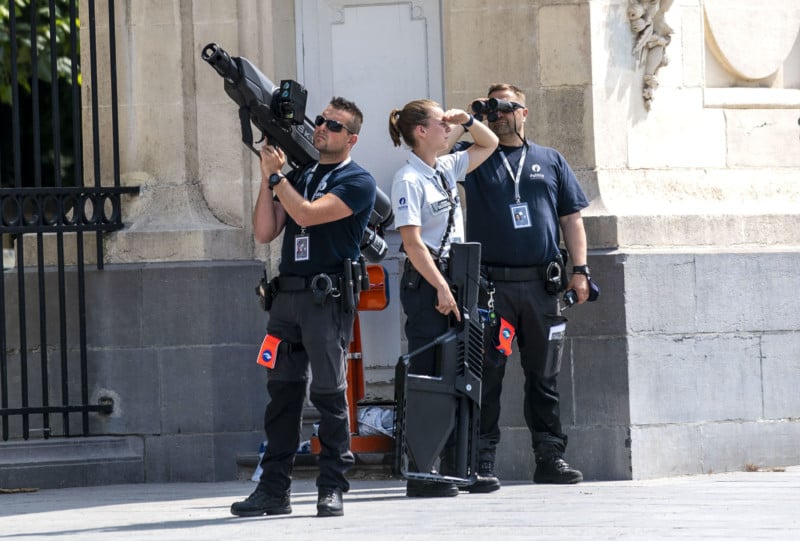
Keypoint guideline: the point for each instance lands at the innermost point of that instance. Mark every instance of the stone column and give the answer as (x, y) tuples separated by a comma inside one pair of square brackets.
[(179, 134)]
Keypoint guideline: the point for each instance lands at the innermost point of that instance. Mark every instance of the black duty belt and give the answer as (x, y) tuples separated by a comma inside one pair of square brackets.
[(302, 283), (513, 274), (407, 266)]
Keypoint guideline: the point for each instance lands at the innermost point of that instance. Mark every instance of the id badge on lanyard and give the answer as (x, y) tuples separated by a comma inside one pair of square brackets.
[(520, 216), (520, 213), (302, 241), (301, 246)]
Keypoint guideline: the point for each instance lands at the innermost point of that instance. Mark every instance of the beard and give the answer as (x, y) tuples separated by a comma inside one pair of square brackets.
[(501, 128), (324, 146)]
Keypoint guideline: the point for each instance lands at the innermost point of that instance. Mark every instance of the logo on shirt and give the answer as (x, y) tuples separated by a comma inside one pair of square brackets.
[(402, 203), (537, 171)]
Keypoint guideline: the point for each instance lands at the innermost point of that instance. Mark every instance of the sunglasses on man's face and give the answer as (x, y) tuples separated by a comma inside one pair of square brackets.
[(333, 125)]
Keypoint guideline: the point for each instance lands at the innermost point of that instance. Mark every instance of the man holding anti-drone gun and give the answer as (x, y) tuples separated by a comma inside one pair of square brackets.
[(325, 208)]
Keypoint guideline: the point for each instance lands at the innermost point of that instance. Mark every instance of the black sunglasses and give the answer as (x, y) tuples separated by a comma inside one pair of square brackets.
[(333, 125)]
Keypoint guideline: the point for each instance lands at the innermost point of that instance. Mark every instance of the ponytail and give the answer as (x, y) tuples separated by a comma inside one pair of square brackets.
[(403, 122)]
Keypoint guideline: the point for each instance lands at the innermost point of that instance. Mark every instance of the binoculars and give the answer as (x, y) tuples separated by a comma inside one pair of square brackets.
[(492, 106)]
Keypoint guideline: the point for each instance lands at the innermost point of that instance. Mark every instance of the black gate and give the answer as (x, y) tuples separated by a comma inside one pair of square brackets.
[(46, 212)]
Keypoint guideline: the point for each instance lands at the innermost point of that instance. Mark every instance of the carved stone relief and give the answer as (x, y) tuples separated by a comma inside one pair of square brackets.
[(758, 51), (652, 34)]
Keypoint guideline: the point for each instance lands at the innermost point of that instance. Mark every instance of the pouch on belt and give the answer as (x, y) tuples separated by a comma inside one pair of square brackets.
[(557, 328)]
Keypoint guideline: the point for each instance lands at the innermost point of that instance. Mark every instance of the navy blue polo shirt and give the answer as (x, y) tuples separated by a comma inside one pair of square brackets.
[(330, 243), (547, 184)]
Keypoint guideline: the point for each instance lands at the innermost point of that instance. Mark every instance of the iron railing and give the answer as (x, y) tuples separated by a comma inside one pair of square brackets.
[(36, 207)]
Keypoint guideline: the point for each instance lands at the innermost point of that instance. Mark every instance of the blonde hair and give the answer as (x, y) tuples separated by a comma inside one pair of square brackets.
[(402, 122)]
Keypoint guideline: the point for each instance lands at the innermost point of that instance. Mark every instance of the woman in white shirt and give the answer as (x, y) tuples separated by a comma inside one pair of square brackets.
[(427, 213)]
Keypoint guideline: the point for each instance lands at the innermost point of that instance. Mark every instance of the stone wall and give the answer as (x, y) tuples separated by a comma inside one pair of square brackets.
[(172, 346)]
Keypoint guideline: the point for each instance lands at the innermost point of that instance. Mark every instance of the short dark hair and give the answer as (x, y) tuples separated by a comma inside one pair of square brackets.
[(347, 105), (511, 88)]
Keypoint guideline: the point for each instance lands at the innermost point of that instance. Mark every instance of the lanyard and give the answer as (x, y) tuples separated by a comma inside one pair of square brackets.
[(322, 181), (443, 184), (519, 170), (450, 216)]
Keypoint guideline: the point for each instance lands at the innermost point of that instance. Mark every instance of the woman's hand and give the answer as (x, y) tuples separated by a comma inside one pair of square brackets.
[(446, 303), (456, 116)]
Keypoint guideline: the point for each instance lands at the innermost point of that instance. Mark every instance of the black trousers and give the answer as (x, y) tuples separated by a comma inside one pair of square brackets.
[(423, 322), (324, 333), (524, 305)]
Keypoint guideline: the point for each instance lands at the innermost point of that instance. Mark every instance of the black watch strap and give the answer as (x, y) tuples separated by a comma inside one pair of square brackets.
[(581, 269), (274, 180)]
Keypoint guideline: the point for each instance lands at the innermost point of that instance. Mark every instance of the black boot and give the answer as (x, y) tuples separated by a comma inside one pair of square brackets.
[(329, 502), (261, 502), (430, 489), (554, 470), (486, 482), (435, 489)]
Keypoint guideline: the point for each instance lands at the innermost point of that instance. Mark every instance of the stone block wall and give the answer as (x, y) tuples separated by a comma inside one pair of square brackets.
[(176, 351), (173, 347)]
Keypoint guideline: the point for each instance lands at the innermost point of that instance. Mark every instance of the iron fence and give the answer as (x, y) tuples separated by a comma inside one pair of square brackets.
[(45, 206)]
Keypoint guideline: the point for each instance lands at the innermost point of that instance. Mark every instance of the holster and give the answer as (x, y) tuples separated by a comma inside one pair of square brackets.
[(411, 277), (266, 291), (350, 286)]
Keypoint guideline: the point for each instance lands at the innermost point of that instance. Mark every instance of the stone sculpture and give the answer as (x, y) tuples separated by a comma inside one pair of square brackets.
[(653, 34)]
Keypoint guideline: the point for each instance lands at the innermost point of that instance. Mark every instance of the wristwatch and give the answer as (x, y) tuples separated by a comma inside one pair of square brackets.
[(581, 269), (274, 180)]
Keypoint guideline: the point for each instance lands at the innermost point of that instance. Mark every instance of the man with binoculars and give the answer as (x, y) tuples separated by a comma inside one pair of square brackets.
[(518, 202)]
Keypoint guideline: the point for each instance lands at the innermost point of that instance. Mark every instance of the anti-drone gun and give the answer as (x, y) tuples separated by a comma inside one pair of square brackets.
[(279, 114), (430, 407)]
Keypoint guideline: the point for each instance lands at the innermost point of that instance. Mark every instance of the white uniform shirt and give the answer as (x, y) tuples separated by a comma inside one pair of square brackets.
[(418, 198)]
